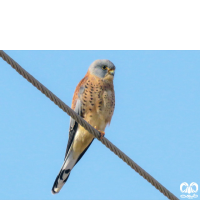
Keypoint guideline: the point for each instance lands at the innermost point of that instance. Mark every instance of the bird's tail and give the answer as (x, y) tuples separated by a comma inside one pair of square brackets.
[(64, 173)]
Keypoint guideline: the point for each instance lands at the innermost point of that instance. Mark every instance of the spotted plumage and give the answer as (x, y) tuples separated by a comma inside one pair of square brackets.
[(94, 100)]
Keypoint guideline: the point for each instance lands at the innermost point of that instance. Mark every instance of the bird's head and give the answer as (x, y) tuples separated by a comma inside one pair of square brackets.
[(103, 69)]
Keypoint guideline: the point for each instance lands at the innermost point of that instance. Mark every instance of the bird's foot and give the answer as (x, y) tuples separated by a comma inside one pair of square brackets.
[(101, 132)]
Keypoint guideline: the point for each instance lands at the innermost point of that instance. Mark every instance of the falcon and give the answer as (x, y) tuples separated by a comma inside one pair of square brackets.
[(94, 101)]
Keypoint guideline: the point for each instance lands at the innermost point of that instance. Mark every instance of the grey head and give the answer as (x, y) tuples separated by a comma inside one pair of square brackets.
[(102, 68)]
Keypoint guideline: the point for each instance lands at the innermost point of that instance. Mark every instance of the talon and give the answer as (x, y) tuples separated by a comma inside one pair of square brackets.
[(101, 132)]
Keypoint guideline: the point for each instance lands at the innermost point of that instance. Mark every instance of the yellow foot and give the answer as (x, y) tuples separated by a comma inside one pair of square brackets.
[(101, 132)]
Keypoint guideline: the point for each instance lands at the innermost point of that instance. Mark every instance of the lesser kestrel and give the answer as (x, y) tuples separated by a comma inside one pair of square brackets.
[(94, 100)]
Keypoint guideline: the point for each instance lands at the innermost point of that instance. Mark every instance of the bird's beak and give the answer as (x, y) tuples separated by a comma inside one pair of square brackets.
[(111, 72)]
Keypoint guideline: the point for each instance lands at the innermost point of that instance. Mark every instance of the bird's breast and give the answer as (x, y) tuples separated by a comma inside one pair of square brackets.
[(98, 103)]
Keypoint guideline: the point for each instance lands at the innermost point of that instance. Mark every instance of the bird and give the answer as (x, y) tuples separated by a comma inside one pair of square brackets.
[(94, 101)]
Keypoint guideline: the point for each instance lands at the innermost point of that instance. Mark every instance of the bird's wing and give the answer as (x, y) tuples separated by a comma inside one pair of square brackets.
[(77, 107), (73, 126)]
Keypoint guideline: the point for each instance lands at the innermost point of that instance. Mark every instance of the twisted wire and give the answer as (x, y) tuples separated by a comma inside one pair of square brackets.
[(87, 126)]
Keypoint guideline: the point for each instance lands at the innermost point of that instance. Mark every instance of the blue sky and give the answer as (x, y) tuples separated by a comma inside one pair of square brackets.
[(155, 122)]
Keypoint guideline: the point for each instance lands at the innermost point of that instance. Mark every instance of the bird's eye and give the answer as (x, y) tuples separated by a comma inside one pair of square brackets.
[(104, 67)]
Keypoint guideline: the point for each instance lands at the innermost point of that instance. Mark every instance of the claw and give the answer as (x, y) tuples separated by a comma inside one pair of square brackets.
[(101, 132)]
